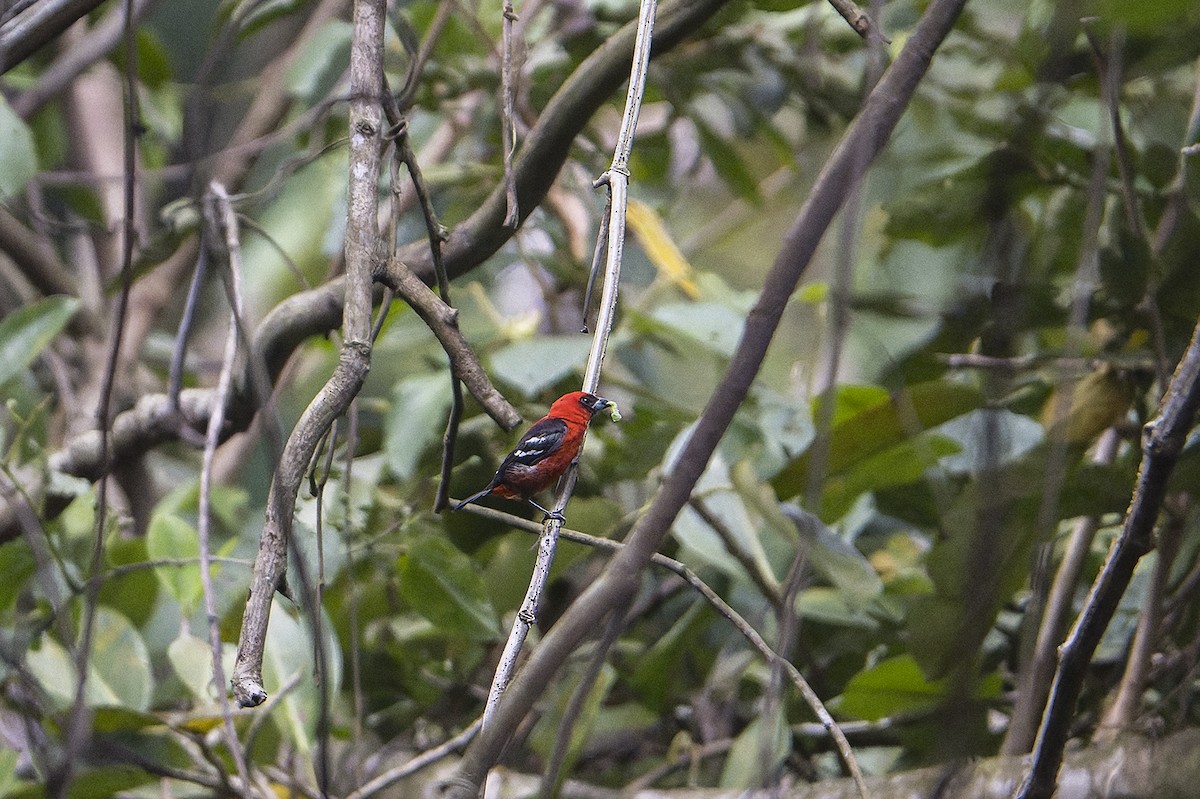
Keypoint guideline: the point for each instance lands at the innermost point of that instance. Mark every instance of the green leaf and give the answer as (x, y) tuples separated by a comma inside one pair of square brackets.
[(729, 164), (757, 752), (16, 567), (830, 606), (711, 324), (119, 670), (17, 154), (835, 558), (171, 538), (133, 592), (106, 782), (892, 686), (51, 664), (897, 685), (652, 679), (191, 659), (902, 464), (546, 733), (701, 541), (114, 719), (288, 656), (415, 421), (8, 770), (441, 583), (24, 333), (154, 62), (1148, 19), (322, 58), (536, 364), (875, 422)]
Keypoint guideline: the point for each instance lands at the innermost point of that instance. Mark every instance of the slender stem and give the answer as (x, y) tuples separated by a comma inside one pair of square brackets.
[(617, 179), (222, 219)]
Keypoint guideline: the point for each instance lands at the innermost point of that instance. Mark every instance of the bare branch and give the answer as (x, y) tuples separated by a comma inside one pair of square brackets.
[(220, 219), (36, 25), (1036, 676), (426, 758), (34, 256), (859, 20), (366, 119), (443, 321), (93, 46), (508, 116)]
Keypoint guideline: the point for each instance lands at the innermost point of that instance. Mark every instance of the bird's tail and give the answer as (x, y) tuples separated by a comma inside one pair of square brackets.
[(478, 495)]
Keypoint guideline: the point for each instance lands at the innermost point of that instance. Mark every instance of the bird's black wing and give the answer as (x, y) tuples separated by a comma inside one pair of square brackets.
[(544, 437)]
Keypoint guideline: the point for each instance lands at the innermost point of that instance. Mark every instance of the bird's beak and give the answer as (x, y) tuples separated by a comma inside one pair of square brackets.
[(597, 404)]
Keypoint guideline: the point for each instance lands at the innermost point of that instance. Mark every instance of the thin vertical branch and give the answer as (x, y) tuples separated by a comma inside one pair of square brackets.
[(617, 179), (1125, 707), (552, 776), (508, 114), (220, 218), (1036, 676)]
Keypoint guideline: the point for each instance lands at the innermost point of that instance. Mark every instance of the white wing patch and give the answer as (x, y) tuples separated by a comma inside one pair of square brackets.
[(535, 447)]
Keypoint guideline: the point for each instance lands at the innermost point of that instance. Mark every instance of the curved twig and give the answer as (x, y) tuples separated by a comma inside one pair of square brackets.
[(443, 321), (220, 218)]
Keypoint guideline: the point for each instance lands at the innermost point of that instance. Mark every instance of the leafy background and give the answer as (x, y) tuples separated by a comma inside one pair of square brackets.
[(915, 498)]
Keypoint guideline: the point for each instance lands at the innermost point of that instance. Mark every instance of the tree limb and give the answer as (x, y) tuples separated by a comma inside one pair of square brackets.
[(24, 33), (366, 131)]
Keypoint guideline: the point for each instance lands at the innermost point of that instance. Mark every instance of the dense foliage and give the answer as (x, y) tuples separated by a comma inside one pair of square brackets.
[(1014, 283)]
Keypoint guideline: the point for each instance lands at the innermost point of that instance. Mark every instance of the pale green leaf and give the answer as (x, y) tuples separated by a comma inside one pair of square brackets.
[(415, 421), (119, 670), (536, 364), (24, 333), (757, 752), (441, 584), (17, 153), (170, 538)]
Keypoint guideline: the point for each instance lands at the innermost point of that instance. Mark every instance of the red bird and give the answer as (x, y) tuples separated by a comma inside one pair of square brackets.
[(545, 452)]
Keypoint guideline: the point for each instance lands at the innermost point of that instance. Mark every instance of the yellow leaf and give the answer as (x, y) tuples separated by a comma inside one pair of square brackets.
[(660, 248)]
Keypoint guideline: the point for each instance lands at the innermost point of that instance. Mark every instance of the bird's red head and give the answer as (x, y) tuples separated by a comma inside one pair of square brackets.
[(578, 404)]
